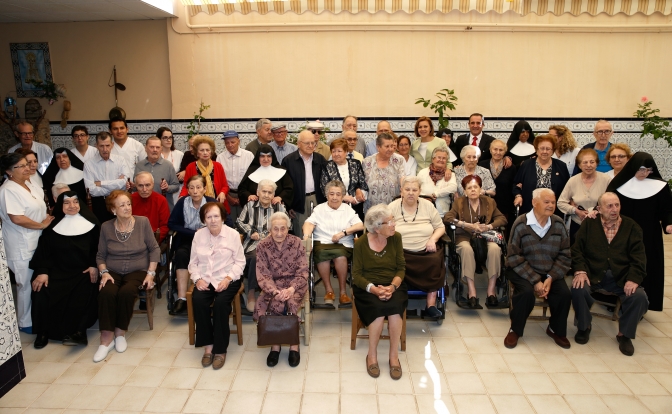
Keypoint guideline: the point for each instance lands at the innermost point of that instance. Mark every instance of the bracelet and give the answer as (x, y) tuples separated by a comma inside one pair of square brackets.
[(395, 286), (345, 233), (151, 273), (102, 272)]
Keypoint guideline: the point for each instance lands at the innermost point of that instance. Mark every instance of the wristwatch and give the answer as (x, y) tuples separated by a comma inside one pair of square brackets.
[(102, 272), (345, 233), (151, 272)]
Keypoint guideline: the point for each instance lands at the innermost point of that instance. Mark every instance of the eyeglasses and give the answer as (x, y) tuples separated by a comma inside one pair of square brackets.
[(308, 144), (351, 139), (644, 169), (389, 223), (26, 134), (168, 138), (604, 132), (315, 131), (280, 132), (620, 157), (79, 136), (20, 166)]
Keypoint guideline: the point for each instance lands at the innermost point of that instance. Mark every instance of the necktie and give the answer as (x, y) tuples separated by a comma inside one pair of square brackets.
[(474, 143), (350, 155)]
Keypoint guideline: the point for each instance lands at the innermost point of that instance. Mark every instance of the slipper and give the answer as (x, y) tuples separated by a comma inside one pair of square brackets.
[(373, 369), (206, 361), (395, 371)]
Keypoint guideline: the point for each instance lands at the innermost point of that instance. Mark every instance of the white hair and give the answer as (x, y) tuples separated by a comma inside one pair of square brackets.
[(147, 173), (267, 183), (262, 122), (410, 179), (463, 151), (537, 192), (280, 216), (59, 188), (375, 216)]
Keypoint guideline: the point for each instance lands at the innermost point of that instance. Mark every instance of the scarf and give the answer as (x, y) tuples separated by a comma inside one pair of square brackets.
[(205, 172), (495, 171), (435, 173)]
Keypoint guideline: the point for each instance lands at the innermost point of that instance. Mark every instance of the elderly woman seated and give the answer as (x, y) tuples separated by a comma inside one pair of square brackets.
[(378, 270), (420, 225), (185, 221), (65, 275), (332, 225), (254, 222), (437, 181), (473, 214), (127, 258), (282, 274), (216, 264), (470, 155)]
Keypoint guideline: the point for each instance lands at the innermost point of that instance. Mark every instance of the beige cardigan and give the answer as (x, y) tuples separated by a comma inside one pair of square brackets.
[(576, 191)]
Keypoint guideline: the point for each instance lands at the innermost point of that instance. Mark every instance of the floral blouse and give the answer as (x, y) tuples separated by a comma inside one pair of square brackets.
[(384, 183)]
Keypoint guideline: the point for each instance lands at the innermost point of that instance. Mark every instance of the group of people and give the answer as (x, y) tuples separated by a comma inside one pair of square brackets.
[(233, 213)]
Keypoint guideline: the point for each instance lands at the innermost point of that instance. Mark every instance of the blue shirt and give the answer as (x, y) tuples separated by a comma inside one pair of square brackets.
[(603, 166), (371, 148), (282, 152)]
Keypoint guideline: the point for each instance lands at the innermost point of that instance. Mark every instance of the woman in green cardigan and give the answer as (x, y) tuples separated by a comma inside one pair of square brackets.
[(378, 273), (422, 148)]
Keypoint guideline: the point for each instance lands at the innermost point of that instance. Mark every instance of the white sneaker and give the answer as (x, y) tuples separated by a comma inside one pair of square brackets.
[(102, 352), (120, 344)]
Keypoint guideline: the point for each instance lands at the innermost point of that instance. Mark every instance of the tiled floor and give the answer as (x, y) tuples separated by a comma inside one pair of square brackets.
[(458, 367)]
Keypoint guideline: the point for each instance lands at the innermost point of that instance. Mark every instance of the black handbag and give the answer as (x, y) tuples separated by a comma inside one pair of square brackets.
[(277, 329), (480, 247)]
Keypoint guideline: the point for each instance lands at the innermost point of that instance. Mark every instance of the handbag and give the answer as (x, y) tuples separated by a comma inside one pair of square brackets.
[(277, 329), (480, 247)]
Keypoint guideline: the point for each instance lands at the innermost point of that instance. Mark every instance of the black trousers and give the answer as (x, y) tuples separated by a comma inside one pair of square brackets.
[(559, 302), (633, 307), (250, 271), (214, 330), (116, 300)]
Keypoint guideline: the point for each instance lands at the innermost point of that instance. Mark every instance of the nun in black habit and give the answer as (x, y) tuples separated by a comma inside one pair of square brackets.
[(520, 141), (263, 170), (65, 276), (646, 198), (66, 168)]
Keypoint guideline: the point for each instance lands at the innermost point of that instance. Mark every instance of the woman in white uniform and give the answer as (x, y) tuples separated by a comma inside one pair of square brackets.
[(24, 216)]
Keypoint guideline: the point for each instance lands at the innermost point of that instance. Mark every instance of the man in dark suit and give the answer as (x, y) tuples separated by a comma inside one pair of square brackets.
[(475, 137), (305, 168)]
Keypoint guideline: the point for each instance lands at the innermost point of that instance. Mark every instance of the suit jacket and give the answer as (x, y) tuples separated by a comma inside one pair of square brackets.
[(464, 140), (357, 178), (527, 176), (431, 146), (294, 165), (460, 211)]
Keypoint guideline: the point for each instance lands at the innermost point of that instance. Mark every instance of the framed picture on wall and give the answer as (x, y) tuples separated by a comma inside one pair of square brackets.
[(30, 62)]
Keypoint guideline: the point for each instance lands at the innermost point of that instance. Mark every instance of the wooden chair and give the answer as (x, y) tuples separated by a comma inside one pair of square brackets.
[(538, 302), (161, 268), (235, 313), (149, 300), (357, 324), (603, 298), (305, 312)]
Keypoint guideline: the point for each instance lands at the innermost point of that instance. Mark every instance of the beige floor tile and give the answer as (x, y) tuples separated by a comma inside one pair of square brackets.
[(430, 404), (182, 378), (555, 363), (511, 404), (251, 381), (447, 329), (541, 344), (473, 404), (464, 315), (472, 329), (417, 362), (450, 346), (167, 400), (188, 358), (521, 348), (205, 401), (322, 382), (664, 327), (490, 363), (624, 404), (112, 374), (164, 358), (57, 396), (219, 380), (658, 404), (22, 395), (648, 329), (665, 379), (78, 373), (142, 339), (390, 403), (661, 345), (358, 404), (536, 383), (465, 383), (171, 340), (606, 383), (95, 397), (522, 363), (287, 381), (243, 402), (46, 372), (550, 404), (30, 354), (653, 363), (282, 403), (354, 361), (501, 383), (480, 345), (587, 404), (64, 353), (418, 329), (386, 385), (326, 329), (621, 363), (588, 363), (423, 383), (132, 356), (255, 360), (318, 403), (571, 383), (643, 384), (329, 344), (358, 383), (323, 362), (147, 376), (458, 362), (131, 398)]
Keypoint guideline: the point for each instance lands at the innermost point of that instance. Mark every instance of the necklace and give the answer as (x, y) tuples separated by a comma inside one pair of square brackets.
[(478, 213), (401, 206), (123, 236)]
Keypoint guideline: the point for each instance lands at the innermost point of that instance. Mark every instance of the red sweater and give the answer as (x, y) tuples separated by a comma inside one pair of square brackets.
[(155, 208), (220, 183)]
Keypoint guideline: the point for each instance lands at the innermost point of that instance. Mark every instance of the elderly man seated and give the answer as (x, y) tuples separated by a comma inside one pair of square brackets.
[(333, 224), (608, 256), (255, 224), (536, 266), (149, 203)]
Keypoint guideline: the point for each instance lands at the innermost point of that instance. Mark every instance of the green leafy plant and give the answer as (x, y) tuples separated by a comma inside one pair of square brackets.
[(293, 138), (446, 102), (195, 125), (50, 90), (652, 124)]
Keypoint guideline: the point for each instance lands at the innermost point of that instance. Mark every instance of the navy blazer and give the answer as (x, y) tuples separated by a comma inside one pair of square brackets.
[(294, 165), (527, 175), (464, 140)]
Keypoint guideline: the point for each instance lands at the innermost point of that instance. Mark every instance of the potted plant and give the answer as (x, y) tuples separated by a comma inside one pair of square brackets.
[(441, 107)]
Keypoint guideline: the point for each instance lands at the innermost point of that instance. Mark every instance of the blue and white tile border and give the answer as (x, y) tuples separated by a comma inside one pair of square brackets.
[(625, 130)]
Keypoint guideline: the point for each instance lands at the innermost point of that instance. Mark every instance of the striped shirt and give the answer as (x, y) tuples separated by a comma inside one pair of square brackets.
[(254, 218)]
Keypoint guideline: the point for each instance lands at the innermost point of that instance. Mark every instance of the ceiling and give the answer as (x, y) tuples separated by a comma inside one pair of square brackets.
[(49, 11)]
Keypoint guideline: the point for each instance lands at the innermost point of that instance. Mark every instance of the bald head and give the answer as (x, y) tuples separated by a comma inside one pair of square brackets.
[(383, 126), (306, 143)]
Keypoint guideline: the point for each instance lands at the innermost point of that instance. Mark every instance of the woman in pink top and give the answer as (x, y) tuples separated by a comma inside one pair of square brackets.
[(216, 264)]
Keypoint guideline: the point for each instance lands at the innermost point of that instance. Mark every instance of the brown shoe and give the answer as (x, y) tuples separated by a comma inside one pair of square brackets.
[(373, 369), (206, 361), (511, 340), (395, 371), (218, 362), (344, 299), (561, 341), (329, 298)]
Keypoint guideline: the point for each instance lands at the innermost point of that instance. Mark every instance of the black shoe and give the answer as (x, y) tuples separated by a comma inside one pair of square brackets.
[(272, 359), (78, 338), (142, 305), (41, 341), (433, 312), (473, 302), (624, 344), (179, 307), (582, 337), (294, 358), (492, 301)]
